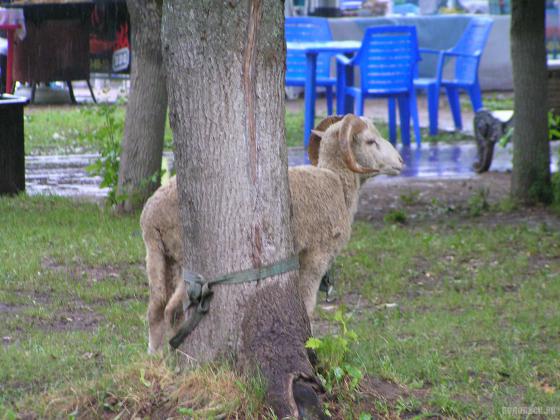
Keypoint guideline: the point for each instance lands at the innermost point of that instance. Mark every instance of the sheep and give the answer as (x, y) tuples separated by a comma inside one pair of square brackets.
[(344, 152)]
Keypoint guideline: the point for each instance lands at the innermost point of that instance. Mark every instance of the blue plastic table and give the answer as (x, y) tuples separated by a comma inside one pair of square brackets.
[(311, 50)]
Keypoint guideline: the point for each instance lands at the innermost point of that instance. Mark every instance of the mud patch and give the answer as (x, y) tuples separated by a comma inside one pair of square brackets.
[(91, 274), (74, 320), (375, 393), (10, 309), (435, 201)]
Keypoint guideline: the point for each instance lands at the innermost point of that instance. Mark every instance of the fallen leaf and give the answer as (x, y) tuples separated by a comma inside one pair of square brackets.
[(545, 387)]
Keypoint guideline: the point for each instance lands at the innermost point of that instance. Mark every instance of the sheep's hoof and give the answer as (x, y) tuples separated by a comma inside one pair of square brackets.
[(331, 295), (327, 286)]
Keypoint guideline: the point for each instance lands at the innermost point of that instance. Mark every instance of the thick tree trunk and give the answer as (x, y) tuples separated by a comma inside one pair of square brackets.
[(531, 152), (142, 145), (225, 66)]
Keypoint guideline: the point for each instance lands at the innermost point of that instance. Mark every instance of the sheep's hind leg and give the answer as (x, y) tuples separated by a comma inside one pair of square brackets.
[(174, 312), (155, 266), (312, 268)]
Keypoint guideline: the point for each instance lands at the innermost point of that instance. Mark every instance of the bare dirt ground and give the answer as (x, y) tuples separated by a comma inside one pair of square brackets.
[(447, 201)]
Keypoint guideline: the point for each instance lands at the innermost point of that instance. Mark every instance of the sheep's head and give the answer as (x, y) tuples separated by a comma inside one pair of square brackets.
[(360, 146)]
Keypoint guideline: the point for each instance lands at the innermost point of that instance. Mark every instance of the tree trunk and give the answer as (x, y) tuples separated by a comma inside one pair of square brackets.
[(146, 110), (225, 67), (531, 151)]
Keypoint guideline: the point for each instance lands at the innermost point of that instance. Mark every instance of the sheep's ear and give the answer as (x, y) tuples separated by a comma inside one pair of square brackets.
[(318, 133)]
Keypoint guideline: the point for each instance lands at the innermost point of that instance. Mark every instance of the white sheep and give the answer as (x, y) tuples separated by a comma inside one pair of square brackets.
[(344, 151)]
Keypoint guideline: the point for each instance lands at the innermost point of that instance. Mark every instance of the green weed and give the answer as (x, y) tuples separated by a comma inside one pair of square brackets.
[(336, 362), (395, 216), (478, 202), (107, 141)]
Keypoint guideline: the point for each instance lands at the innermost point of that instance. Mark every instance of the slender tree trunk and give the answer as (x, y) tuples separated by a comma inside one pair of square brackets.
[(142, 145), (531, 150), (225, 66)]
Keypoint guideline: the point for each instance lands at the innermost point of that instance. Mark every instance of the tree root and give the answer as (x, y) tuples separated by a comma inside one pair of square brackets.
[(275, 330)]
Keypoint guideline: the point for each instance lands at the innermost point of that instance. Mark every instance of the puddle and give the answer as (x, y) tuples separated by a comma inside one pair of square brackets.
[(65, 175)]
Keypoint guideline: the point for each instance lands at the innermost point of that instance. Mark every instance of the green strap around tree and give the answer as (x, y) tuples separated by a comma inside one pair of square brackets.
[(200, 293)]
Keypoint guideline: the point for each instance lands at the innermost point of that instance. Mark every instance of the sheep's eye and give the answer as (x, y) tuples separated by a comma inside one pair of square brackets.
[(371, 142)]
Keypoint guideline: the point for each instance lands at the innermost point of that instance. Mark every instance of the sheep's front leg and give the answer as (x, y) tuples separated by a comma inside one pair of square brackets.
[(313, 266), (155, 266)]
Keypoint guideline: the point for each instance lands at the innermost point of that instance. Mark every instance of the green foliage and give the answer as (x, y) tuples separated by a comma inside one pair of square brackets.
[(506, 138), (553, 130), (498, 102), (107, 140), (337, 364), (478, 202), (553, 126), (507, 205), (410, 198), (395, 216)]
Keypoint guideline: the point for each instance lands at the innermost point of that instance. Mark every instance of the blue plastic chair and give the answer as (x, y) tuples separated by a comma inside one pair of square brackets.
[(467, 53), (387, 61), (309, 29)]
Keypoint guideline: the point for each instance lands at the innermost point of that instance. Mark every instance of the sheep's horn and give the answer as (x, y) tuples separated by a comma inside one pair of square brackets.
[(315, 140), (352, 125)]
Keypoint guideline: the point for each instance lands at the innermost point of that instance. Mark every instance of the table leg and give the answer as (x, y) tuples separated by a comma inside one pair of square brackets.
[(9, 60), (348, 100), (310, 90)]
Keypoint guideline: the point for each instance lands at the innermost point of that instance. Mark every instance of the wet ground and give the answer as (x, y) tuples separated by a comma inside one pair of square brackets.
[(65, 175)]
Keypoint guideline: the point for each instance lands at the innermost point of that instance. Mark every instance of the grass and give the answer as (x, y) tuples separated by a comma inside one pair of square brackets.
[(476, 318), (463, 315), (498, 102), (68, 129), (65, 129)]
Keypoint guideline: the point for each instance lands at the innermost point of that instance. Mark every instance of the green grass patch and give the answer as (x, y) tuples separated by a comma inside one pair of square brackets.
[(499, 102), (72, 293), (65, 129), (464, 317), (68, 129), (470, 314)]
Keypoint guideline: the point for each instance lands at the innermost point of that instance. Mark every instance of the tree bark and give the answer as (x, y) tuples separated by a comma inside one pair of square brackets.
[(142, 145), (531, 151), (225, 67)]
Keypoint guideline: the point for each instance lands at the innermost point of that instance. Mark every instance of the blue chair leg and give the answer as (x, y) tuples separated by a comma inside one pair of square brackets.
[(310, 92), (433, 107), (476, 97), (392, 121), (340, 87), (453, 96), (415, 119), (329, 98), (404, 111)]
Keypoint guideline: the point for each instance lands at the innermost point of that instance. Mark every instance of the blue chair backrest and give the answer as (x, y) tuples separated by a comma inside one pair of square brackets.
[(307, 30), (472, 42), (388, 58)]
